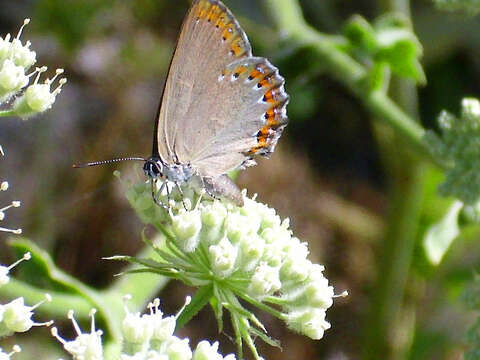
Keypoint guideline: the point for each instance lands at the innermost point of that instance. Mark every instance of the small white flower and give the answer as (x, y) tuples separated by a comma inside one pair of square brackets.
[(19, 53), (186, 227), (310, 322), (265, 281), (223, 257), (86, 346), (12, 78), (178, 349), (163, 328), (136, 328), (5, 270), (207, 351), (38, 97), (8, 356), (17, 317), (251, 252)]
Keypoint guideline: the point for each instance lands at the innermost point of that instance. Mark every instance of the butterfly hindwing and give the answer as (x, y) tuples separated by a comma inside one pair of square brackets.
[(221, 106)]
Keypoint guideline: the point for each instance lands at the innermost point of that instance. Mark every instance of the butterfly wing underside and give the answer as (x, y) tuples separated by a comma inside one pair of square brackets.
[(221, 106)]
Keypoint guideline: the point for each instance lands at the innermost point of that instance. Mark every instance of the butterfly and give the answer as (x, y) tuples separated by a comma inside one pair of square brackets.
[(220, 107)]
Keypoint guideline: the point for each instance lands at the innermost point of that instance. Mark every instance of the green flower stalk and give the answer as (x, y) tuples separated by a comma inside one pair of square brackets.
[(234, 253)]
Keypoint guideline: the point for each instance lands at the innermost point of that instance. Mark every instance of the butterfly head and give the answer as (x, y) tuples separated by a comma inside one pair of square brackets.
[(153, 167)]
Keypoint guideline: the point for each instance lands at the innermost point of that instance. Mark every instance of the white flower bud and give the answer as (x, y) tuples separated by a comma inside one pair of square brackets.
[(38, 97), (207, 351), (178, 349), (21, 54), (310, 322), (251, 252), (223, 257), (186, 227), (5, 45), (137, 329), (12, 79), (17, 316), (163, 329), (213, 216), (265, 281), (236, 227)]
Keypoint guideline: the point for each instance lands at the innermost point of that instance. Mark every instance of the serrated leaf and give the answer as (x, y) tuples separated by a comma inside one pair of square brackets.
[(440, 235)]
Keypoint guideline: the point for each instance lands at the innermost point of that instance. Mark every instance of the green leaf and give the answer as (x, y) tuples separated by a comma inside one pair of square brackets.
[(458, 149), (361, 34), (200, 299), (390, 40), (440, 235)]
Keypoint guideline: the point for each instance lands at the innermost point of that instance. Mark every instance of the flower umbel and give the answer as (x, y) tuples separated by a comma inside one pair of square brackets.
[(146, 337), (237, 253), (16, 58)]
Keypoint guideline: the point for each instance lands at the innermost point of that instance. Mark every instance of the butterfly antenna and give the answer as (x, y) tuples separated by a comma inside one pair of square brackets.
[(95, 163)]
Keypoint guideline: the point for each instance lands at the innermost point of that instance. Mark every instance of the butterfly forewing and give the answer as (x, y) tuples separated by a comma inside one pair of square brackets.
[(221, 106)]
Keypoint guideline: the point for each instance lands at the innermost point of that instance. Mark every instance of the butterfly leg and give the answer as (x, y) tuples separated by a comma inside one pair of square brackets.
[(156, 200), (181, 194)]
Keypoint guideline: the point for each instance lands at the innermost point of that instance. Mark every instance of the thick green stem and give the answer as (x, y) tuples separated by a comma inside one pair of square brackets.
[(288, 17), (405, 197), (404, 169)]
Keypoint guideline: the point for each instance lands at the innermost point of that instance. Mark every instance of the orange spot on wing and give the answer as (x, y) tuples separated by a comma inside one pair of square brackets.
[(237, 46), (239, 70), (255, 74), (266, 81), (222, 21), (214, 13), (228, 31), (271, 96), (203, 7)]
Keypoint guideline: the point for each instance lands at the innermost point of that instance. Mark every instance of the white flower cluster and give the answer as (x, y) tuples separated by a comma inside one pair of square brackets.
[(15, 316), (246, 251), (16, 58), (146, 337)]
